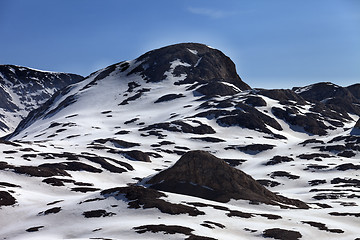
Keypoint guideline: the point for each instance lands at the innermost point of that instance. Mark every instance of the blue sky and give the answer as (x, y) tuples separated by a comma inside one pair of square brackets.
[(274, 43)]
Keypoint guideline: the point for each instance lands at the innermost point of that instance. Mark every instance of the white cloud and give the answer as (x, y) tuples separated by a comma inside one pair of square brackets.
[(210, 12)]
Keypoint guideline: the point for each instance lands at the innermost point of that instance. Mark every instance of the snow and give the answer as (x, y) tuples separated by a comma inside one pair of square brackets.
[(198, 61), (193, 51)]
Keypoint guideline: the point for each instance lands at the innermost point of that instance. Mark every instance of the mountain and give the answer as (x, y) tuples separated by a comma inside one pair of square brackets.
[(23, 89), (175, 145)]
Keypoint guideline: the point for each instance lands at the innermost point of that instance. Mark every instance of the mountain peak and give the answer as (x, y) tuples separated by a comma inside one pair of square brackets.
[(199, 62)]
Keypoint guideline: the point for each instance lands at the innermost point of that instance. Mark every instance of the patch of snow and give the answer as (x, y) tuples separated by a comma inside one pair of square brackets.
[(198, 61), (193, 51)]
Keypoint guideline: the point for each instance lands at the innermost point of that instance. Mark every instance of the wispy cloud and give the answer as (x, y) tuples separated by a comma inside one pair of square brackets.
[(212, 13)]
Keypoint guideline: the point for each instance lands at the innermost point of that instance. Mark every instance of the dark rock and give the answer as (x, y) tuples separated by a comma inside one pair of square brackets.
[(332, 148), (98, 213), (349, 181), (347, 154), (10, 152), (282, 234), (279, 159), (6, 184), (137, 155), (268, 183), (41, 171), (131, 121), (5, 165), (322, 226), (171, 229), (53, 210), (55, 202), (84, 189), (344, 214), (348, 166), (219, 225), (234, 162), (71, 166), (34, 229), (316, 182), (235, 213), (311, 141), (169, 97), (132, 98), (122, 132), (106, 165), (314, 155), (149, 198), (255, 148), (57, 181), (180, 126), (168, 229), (283, 174), (208, 139), (315, 166), (201, 174), (117, 143), (2, 141), (6, 199)]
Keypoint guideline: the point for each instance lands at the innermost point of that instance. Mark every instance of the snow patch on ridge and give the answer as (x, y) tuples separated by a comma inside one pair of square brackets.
[(193, 51)]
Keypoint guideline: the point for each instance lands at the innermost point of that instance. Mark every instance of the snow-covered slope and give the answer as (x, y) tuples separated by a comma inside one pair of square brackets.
[(85, 164), (23, 89)]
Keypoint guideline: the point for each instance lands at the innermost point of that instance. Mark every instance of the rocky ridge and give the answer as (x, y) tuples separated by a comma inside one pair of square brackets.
[(24, 89)]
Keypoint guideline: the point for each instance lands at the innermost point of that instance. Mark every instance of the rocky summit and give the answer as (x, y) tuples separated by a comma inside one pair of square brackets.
[(175, 145)]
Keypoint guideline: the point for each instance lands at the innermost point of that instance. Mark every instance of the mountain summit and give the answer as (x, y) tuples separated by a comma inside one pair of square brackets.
[(199, 62)]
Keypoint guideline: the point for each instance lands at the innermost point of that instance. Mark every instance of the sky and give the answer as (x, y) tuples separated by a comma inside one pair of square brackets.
[(274, 43)]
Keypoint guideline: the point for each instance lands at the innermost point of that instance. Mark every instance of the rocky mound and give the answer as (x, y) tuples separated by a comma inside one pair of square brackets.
[(200, 174)]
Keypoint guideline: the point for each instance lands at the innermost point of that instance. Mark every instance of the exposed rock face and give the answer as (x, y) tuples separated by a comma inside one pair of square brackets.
[(203, 65), (23, 89), (198, 173)]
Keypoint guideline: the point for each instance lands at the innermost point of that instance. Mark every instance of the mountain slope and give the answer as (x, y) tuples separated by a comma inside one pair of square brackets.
[(23, 89), (100, 151)]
